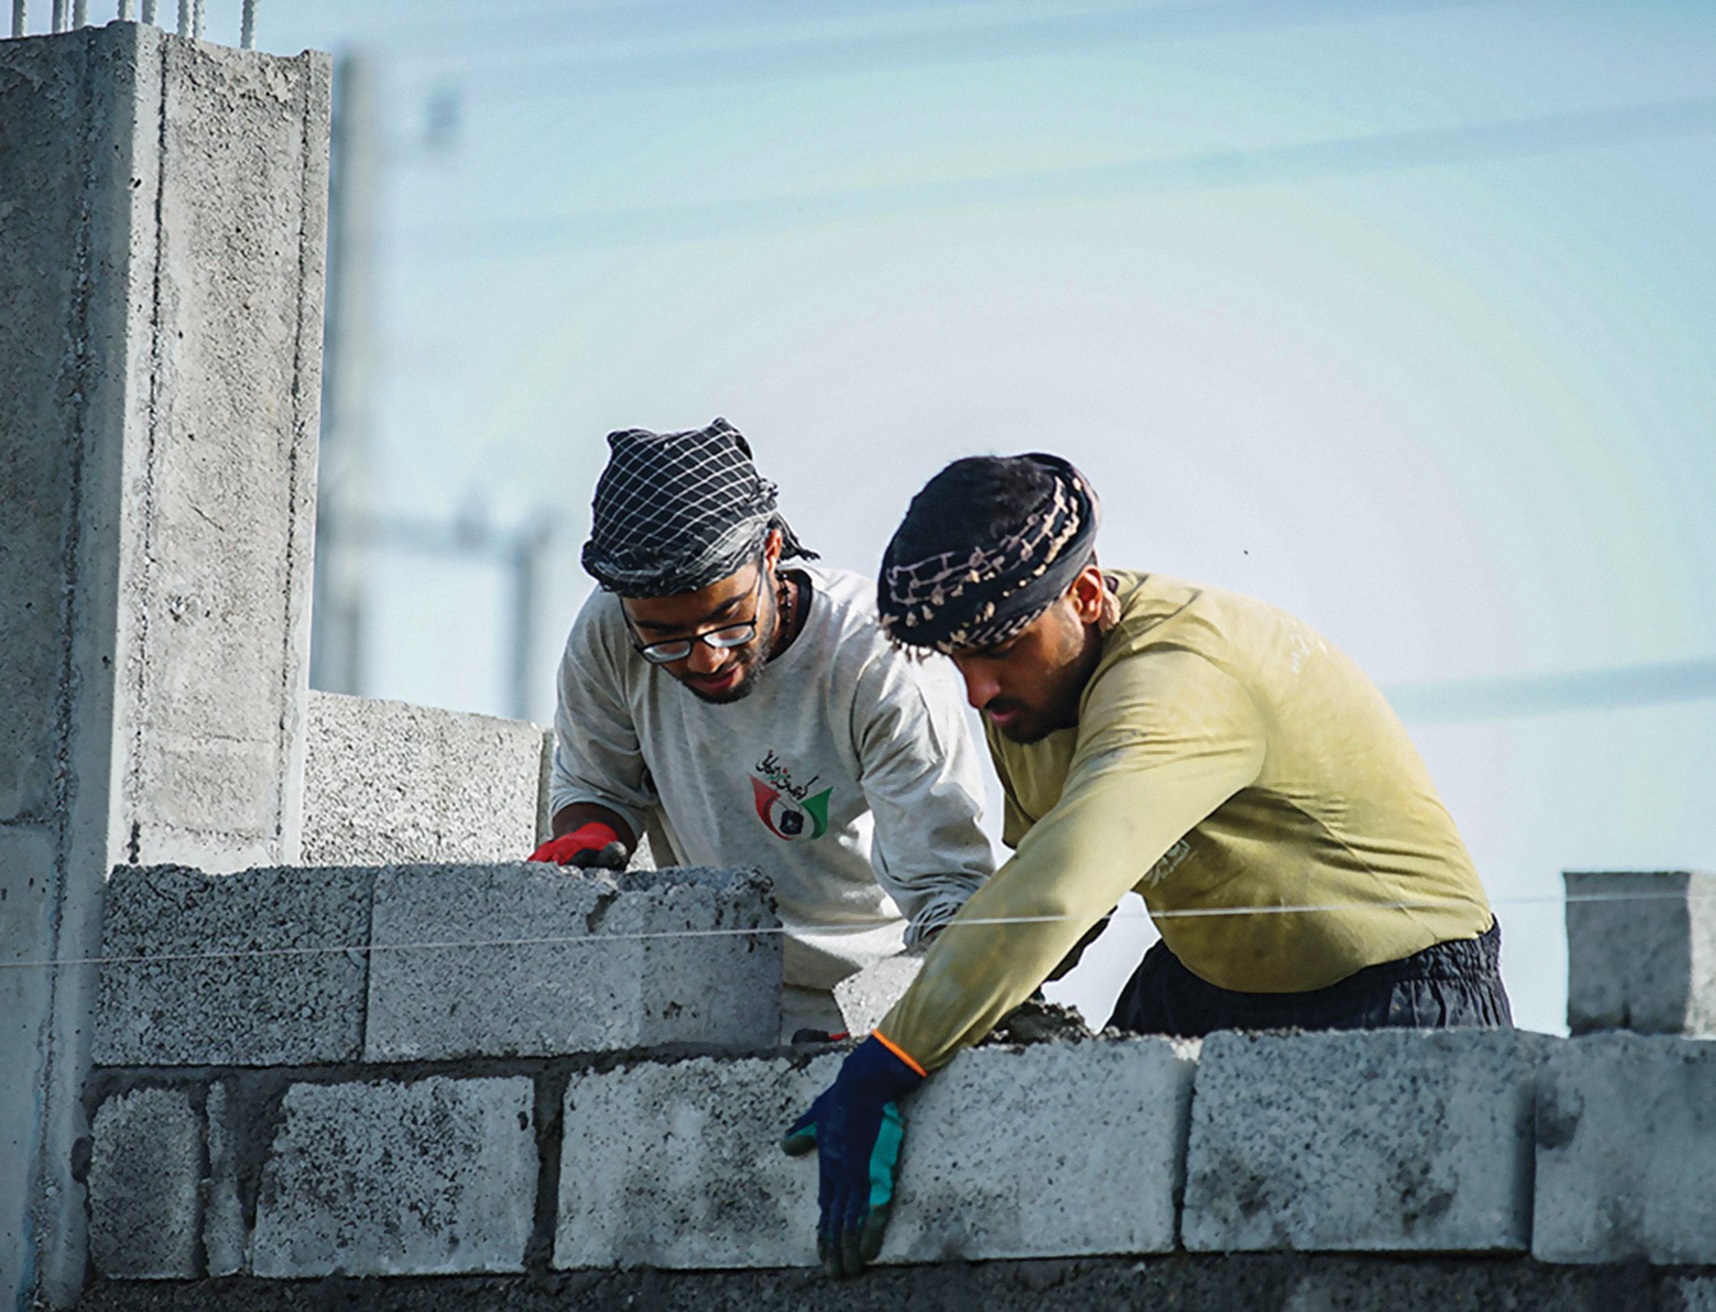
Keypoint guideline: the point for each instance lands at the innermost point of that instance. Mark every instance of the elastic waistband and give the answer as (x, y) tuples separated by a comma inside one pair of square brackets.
[(1462, 958)]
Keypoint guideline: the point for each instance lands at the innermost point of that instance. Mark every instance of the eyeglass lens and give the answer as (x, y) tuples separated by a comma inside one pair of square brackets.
[(733, 635)]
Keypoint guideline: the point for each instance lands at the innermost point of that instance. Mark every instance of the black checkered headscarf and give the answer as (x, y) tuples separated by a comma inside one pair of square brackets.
[(674, 512), (978, 594)]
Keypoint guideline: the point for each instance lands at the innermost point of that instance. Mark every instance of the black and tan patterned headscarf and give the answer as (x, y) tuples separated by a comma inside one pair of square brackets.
[(984, 594), (674, 512)]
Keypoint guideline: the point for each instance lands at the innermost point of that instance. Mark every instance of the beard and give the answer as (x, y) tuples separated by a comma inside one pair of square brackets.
[(749, 660), (750, 669)]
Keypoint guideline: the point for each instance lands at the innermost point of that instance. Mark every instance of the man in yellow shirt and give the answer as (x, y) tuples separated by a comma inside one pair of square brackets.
[(1206, 750)]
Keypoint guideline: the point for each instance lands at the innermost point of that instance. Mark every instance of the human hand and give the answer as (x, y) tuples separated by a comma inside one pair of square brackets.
[(592, 845), (856, 1128)]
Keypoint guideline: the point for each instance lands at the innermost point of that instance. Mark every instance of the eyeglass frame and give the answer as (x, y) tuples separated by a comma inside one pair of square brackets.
[(724, 637)]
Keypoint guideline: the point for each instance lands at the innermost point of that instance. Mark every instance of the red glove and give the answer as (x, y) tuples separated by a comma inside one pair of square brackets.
[(590, 844)]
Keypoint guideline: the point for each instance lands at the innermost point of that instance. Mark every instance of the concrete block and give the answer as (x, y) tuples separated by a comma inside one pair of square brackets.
[(226, 1234), (145, 1174), (1641, 952), (1697, 1293), (1626, 1151), (866, 997), (387, 783), (433, 1177), (560, 961), (1052, 1150), (679, 1165), (544, 798), (281, 998), (1374, 1141)]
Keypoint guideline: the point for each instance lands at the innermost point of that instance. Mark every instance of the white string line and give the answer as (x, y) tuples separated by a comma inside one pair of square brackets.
[(434, 945)]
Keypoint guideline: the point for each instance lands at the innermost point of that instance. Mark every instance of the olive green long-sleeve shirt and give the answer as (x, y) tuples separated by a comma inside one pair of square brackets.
[(1225, 756)]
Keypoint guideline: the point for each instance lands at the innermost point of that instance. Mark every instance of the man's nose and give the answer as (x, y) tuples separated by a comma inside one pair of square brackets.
[(705, 659), (981, 688)]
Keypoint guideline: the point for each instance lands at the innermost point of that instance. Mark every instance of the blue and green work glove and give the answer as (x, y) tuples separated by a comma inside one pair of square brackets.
[(856, 1128)]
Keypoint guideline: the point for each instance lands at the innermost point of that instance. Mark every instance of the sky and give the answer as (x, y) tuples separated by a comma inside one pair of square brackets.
[(1394, 314)]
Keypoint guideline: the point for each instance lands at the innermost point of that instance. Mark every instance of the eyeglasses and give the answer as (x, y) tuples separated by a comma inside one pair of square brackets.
[(724, 638)]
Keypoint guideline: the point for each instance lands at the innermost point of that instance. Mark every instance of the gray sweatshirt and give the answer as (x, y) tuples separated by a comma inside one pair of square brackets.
[(847, 776)]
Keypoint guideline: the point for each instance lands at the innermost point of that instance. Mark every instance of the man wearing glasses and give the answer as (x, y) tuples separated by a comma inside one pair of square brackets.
[(742, 713)]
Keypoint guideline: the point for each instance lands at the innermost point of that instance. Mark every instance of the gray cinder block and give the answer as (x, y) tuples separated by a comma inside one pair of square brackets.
[(432, 1177), (144, 1177), (1626, 1151), (1374, 1141), (386, 782), (557, 961), (867, 996), (1641, 952), (679, 1165), (1052, 1150), (226, 1236), (282, 998)]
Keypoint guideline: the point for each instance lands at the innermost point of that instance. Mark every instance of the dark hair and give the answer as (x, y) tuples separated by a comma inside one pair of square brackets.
[(975, 499)]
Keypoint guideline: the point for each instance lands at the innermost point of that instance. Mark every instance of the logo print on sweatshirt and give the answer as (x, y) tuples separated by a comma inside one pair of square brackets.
[(788, 810)]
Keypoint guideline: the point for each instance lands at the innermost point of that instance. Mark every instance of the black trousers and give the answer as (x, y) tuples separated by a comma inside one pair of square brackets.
[(1446, 986)]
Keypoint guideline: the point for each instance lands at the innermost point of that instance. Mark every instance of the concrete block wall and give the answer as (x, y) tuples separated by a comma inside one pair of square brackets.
[(1583, 1151), (1052, 1150), (295, 967), (161, 275)]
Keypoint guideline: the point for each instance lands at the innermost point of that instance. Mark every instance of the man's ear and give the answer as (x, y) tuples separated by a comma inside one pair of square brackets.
[(1087, 593), (772, 549)]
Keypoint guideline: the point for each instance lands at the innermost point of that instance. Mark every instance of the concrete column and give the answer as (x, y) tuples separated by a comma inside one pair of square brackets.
[(163, 205), (1641, 952)]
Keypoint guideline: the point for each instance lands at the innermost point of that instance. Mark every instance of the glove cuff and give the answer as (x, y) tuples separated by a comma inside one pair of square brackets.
[(877, 1073), (594, 835)]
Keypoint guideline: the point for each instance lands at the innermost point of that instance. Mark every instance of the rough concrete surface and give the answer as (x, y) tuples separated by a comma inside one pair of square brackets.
[(1626, 1151), (387, 783), (280, 999), (1697, 1293), (145, 1177), (226, 1232), (1180, 1283), (28, 882), (161, 273), (384, 1178), (217, 591), (1641, 952), (618, 987), (1383, 1140), (1062, 1149), (864, 998), (1055, 1150), (695, 1177)]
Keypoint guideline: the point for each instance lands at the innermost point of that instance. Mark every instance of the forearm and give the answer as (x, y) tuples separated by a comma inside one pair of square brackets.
[(1070, 871), (575, 814)]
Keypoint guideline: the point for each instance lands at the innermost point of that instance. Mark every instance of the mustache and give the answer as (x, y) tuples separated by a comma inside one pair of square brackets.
[(1002, 705)]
